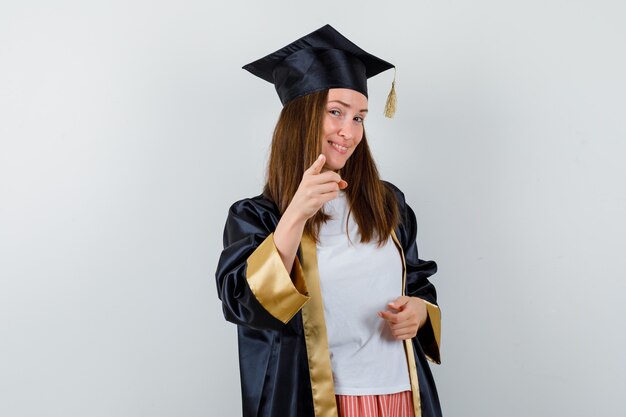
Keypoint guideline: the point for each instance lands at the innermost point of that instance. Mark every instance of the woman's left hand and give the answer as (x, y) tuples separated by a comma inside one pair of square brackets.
[(405, 316)]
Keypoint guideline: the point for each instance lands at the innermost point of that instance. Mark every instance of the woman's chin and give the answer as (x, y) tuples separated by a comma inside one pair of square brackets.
[(334, 162), (332, 167)]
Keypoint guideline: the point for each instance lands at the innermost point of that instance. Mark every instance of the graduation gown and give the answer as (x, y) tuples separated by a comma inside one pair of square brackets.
[(284, 360)]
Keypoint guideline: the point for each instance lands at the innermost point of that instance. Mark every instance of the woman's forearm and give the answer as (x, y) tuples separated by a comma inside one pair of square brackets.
[(287, 237)]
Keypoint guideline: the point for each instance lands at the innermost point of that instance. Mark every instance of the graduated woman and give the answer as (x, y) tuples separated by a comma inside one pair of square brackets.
[(334, 309)]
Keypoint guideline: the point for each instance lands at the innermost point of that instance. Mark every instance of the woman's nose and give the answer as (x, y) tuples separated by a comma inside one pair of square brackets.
[(347, 130)]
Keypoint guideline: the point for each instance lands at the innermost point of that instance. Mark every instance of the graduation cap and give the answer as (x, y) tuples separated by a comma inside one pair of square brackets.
[(320, 60)]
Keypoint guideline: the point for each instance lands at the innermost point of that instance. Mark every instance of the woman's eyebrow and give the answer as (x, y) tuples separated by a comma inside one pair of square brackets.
[(346, 105)]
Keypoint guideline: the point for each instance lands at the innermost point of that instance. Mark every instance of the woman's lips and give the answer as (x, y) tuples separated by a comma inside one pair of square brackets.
[(338, 148)]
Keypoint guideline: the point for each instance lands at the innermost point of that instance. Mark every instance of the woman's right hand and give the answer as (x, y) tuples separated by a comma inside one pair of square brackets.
[(315, 189)]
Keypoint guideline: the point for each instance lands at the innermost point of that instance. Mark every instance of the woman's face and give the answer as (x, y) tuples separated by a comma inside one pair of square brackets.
[(343, 126)]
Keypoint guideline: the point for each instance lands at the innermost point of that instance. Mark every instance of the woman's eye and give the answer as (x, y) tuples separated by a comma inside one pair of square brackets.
[(335, 112), (358, 119)]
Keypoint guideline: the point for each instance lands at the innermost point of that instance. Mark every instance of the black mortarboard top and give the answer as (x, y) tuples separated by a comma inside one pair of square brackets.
[(320, 60)]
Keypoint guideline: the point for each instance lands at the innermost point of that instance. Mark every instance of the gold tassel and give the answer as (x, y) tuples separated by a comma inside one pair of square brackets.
[(390, 106)]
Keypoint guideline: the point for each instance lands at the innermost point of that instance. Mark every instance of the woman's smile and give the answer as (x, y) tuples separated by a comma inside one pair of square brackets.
[(339, 148)]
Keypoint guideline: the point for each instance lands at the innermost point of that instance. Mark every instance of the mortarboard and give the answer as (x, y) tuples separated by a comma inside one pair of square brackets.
[(320, 60)]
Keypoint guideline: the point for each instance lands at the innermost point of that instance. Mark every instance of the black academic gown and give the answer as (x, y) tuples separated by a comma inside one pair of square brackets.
[(283, 351)]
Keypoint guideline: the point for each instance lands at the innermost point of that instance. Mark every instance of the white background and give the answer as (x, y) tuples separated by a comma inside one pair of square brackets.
[(127, 129)]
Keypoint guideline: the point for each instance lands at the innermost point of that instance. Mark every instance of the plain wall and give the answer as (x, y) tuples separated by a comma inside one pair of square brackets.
[(128, 128)]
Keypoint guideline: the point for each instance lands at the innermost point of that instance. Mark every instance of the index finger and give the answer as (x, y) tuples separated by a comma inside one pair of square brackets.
[(317, 166), (328, 176)]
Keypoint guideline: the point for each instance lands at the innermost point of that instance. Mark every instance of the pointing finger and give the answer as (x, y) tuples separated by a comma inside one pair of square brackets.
[(317, 166)]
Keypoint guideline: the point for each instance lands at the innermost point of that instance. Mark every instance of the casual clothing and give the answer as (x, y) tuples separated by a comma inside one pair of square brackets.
[(358, 280)]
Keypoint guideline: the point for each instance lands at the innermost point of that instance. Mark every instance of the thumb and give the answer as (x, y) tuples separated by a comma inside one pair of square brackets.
[(399, 302)]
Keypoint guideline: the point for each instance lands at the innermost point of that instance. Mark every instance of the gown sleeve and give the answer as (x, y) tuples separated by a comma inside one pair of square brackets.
[(252, 282), (417, 284)]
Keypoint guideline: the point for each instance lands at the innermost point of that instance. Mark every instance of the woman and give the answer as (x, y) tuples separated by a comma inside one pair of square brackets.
[(334, 309)]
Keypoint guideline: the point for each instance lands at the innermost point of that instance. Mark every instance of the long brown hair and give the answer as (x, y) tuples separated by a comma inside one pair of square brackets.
[(296, 144)]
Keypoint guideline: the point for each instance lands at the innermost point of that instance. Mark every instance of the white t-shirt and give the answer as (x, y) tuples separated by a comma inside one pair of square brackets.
[(358, 280)]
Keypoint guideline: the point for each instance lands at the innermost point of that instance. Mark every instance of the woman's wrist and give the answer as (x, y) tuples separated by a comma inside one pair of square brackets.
[(293, 218), (287, 237), (289, 230)]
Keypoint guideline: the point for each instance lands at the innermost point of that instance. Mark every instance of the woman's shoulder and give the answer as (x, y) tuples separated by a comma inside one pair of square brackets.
[(253, 216), (396, 191), (258, 205)]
